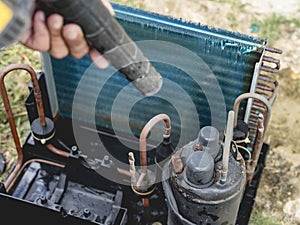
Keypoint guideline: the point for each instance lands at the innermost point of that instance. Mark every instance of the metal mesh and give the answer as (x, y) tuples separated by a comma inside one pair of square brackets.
[(191, 58)]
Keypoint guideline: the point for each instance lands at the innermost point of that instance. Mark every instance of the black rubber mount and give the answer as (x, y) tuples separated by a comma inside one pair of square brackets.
[(42, 132), (241, 130)]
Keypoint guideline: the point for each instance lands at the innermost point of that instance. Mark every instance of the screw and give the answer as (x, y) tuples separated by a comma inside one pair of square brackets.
[(43, 199), (106, 159), (86, 212)]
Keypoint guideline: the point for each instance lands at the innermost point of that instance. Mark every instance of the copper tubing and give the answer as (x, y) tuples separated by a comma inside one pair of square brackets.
[(259, 105), (259, 137), (38, 99), (262, 123), (267, 79), (147, 128), (276, 89), (143, 154), (264, 88), (146, 202), (255, 96), (272, 60), (35, 83), (57, 151), (269, 69), (264, 94), (10, 117), (252, 163), (273, 50), (274, 83), (8, 187), (11, 122)]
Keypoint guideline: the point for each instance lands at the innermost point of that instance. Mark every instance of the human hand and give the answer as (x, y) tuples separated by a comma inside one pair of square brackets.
[(51, 35)]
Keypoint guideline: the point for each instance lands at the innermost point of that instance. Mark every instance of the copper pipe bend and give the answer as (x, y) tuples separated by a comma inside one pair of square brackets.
[(147, 128), (9, 113)]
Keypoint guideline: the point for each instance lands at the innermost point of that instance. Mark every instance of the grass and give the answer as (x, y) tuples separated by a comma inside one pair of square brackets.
[(264, 218), (231, 17), (274, 26)]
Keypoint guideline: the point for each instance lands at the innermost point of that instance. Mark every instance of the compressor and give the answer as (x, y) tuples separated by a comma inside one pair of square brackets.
[(201, 188)]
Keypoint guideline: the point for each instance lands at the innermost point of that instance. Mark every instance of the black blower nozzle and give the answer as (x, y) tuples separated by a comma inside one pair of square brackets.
[(105, 34)]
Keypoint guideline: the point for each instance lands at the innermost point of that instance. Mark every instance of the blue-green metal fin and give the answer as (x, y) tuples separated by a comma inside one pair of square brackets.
[(204, 70)]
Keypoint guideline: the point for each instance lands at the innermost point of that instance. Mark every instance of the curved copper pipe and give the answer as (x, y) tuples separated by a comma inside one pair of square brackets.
[(57, 151), (260, 132), (255, 96), (35, 83), (10, 117), (12, 124), (143, 137), (143, 151), (8, 188)]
